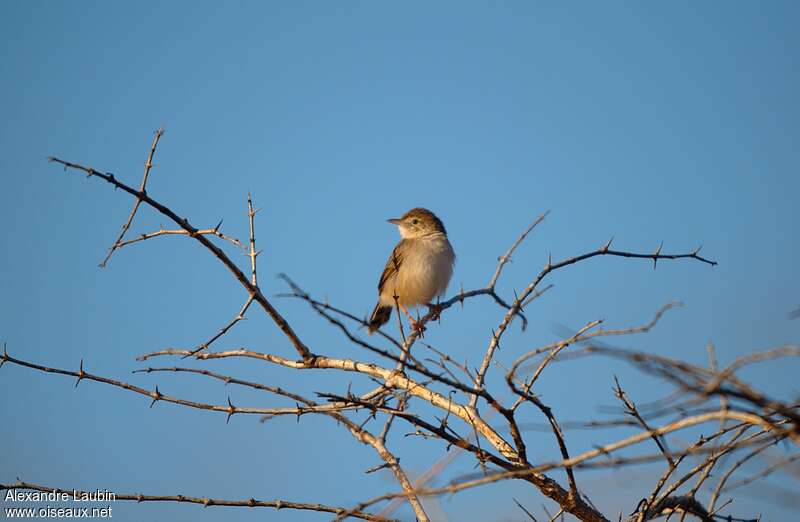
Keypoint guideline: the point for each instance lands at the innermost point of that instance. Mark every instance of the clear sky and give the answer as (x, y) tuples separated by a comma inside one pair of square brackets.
[(677, 122)]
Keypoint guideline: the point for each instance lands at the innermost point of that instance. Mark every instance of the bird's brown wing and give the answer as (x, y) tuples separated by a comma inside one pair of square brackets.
[(392, 264)]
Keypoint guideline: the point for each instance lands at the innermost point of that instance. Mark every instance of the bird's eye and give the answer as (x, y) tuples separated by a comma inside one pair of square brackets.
[(414, 221)]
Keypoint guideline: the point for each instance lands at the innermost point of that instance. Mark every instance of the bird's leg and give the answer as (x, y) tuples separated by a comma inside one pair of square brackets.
[(416, 325)]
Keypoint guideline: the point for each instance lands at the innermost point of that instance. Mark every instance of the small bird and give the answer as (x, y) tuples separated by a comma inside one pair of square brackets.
[(418, 270)]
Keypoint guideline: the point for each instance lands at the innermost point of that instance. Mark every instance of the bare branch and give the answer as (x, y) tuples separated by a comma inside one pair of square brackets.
[(630, 409), (203, 501), (252, 254), (142, 187), (252, 289), (180, 232), (530, 515), (505, 258), (516, 306), (238, 317), (763, 473)]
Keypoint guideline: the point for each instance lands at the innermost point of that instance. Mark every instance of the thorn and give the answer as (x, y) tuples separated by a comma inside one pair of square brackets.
[(461, 295), (5, 355), (156, 395), (607, 245), (81, 374), (519, 303), (216, 228), (697, 251), (655, 255), (549, 261), (377, 468), (231, 410)]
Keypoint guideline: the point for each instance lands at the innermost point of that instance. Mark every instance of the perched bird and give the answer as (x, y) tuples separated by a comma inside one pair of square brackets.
[(418, 270)]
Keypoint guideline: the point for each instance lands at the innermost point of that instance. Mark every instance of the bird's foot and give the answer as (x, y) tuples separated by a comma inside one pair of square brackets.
[(418, 327), (435, 311)]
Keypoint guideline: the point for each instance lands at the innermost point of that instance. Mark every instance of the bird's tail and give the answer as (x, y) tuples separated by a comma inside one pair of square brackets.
[(380, 316)]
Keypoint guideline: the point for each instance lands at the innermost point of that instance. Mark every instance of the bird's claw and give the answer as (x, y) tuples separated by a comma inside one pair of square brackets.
[(435, 311), (418, 327)]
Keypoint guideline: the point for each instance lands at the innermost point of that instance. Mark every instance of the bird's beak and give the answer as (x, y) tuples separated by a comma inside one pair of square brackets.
[(394, 221)]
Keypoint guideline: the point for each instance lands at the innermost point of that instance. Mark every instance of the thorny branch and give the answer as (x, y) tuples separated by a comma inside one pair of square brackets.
[(142, 187), (432, 397), (203, 501), (164, 232), (252, 290)]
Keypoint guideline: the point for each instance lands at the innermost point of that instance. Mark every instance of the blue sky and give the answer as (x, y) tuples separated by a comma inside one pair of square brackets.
[(674, 122)]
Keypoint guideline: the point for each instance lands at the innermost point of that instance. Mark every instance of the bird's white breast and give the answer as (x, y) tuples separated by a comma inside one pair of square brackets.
[(425, 271)]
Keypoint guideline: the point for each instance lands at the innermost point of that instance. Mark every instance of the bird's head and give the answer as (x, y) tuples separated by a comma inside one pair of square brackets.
[(418, 222)]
